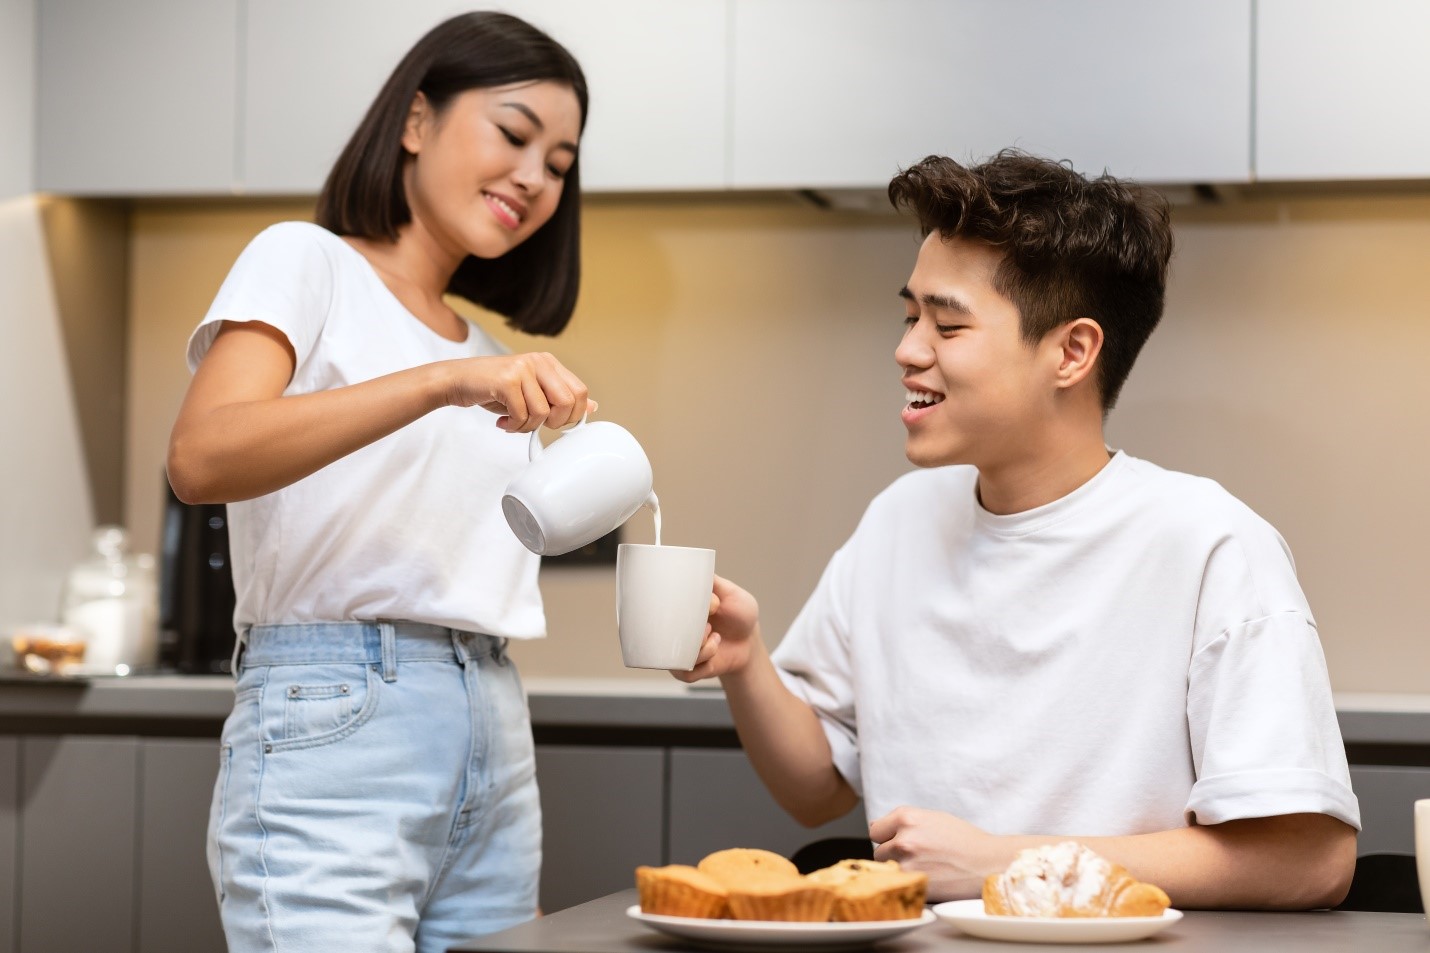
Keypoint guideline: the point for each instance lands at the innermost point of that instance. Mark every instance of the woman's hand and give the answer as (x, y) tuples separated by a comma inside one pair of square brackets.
[(955, 854), (734, 627), (527, 390)]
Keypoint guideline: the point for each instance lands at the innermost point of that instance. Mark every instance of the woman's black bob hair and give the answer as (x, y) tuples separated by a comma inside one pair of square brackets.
[(535, 284)]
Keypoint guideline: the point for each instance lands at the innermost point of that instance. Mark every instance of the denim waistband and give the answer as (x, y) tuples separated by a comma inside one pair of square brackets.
[(375, 643)]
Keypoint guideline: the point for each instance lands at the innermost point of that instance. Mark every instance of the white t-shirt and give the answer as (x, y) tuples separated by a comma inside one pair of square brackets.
[(1123, 660), (409, 527)]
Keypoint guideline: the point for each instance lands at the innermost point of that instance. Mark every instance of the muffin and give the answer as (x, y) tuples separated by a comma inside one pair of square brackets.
[(679, 890), (873, 890), (739, 865), (787, 898)]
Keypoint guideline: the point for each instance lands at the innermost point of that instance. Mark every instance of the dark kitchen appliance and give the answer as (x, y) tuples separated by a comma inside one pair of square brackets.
[(195, 588)]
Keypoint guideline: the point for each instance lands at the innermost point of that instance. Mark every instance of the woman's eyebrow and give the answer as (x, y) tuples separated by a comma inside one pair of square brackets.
[(530, 114)]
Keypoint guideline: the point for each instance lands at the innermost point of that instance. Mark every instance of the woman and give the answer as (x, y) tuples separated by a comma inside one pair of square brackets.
[(377, 789)]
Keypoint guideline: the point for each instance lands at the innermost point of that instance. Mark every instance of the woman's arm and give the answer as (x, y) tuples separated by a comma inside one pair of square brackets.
[(1286, 862), (237, 436)]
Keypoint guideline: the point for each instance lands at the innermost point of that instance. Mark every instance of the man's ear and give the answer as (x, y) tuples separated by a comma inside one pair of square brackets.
[(413, 129), (1079, 343)]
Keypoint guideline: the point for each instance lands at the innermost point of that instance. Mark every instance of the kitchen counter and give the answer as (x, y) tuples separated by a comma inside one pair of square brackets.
[(602, 926), (195, 704)]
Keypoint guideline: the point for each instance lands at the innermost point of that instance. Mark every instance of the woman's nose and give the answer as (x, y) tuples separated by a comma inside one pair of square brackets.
[(530, 176)]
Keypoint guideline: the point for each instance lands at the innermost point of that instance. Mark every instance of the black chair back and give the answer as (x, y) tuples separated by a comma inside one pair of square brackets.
[(1384, 883)]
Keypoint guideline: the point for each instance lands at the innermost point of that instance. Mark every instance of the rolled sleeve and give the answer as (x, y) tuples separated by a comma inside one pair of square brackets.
[(1263, 728)]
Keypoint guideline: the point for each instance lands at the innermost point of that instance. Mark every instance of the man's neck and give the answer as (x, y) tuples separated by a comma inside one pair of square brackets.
[(1034, 481)]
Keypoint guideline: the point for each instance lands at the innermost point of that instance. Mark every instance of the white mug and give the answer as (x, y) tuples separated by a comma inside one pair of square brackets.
[(1422, 849), (662, 604), (589, 481)]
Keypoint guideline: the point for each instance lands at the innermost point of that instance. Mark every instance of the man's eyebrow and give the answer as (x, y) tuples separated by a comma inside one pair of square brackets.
[(527, 111), (942, 302)]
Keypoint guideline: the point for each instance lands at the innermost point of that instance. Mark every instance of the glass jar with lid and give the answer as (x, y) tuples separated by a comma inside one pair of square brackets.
[(112, 598)]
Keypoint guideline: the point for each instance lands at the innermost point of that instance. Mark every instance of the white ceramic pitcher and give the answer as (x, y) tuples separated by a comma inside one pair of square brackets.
[(589, 481)]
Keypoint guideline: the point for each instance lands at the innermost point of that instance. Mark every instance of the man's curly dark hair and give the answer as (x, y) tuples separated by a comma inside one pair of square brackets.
[(1072, 247)]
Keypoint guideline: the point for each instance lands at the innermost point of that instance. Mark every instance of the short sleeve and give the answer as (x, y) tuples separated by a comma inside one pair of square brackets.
[(813, 661), (284, 278), (1262, 722)]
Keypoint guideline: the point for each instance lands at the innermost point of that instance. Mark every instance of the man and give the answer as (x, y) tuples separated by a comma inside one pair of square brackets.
[(1036, 637)]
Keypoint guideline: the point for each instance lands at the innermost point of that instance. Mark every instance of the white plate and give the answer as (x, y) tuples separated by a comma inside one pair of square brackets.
[(969, 917), (767, 934)]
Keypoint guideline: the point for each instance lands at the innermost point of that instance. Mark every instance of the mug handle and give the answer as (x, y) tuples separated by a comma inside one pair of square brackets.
[(534, 449)]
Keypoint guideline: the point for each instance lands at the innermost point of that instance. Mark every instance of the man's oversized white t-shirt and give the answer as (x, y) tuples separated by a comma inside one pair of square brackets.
[(407, 528), (1129, 658)]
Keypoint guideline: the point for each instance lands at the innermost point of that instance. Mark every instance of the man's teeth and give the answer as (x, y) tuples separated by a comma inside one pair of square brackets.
[(922, 397)]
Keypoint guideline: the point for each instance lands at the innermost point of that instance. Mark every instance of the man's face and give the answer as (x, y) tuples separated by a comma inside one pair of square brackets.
[(977, 389)]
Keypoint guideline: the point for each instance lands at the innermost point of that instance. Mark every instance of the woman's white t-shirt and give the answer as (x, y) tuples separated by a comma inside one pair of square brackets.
[(407, 528), (1126, 659)]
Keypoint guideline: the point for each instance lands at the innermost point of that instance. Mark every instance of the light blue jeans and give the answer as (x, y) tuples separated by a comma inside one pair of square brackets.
[(376, 791)]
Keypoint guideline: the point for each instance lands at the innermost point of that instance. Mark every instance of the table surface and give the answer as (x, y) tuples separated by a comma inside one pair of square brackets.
[(602, 926)]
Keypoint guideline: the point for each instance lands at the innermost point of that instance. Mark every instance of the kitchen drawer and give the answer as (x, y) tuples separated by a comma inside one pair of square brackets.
[(1387, 796), (717, 801), (601, 818)]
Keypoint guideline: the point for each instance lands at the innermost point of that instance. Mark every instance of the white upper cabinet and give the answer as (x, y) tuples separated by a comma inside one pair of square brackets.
[(1342, 89), (137, 98), (845, 92), (656, 72)]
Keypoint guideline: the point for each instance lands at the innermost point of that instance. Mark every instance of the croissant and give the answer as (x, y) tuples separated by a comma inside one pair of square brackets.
[(1069, 880)]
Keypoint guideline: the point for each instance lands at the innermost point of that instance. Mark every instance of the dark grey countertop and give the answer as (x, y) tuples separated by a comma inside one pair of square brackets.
[(1366, 718), (602, 926)]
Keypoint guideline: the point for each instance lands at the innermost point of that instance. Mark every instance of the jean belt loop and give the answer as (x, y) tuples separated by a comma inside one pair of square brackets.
[(389, 651), (459, 645), (239, 641)]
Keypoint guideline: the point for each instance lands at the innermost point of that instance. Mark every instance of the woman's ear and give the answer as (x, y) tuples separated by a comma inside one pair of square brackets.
[(1079, 344), (416, 125)]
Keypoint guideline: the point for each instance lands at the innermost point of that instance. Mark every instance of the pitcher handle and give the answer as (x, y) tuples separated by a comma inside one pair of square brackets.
[(534, 448)]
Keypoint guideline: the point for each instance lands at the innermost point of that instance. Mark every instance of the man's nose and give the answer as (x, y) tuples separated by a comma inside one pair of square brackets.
[(913, 349)]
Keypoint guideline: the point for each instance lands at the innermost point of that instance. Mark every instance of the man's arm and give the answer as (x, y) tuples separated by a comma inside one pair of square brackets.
[(779, 731), (1287, 862)]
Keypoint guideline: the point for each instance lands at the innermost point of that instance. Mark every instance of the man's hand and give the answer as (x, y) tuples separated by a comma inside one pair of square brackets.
[(955, 854), (734, 628)]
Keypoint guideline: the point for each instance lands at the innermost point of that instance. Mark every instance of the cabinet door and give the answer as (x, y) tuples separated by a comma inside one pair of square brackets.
[(601, 818), (1342, 89), (137, 98), (1387, 807), (77, 810), (845, 92), (656, 71), (177, 909), (717, 801), (9, 841)]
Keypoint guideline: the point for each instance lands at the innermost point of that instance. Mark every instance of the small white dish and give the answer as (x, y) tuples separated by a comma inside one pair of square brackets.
[(968, 916), (769, 933)]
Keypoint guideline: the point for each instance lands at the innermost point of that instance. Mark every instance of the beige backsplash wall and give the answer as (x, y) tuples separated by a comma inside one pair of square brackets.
[(747, 341)]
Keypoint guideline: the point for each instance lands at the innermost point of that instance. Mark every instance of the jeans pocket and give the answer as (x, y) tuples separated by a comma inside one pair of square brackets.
[(318, 704)]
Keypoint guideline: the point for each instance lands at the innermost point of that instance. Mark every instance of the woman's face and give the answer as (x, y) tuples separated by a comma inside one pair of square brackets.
[(488, 171)]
